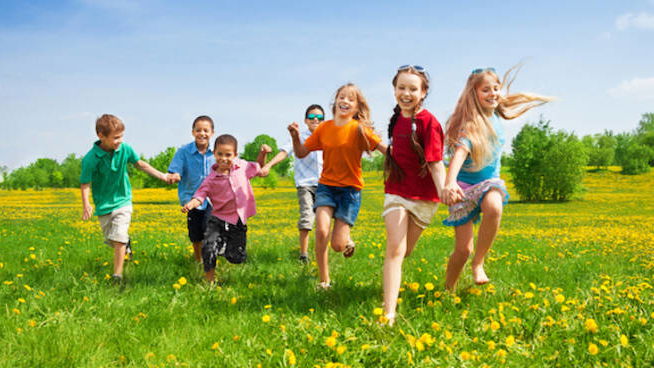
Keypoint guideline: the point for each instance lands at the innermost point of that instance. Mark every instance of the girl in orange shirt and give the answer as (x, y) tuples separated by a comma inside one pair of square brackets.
[(343, 141)]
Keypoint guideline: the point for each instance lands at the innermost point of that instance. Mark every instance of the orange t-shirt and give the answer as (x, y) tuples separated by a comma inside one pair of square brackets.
[(342, 147)]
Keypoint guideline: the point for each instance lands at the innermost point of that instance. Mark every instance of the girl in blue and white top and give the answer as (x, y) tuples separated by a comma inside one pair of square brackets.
[(474, 137)]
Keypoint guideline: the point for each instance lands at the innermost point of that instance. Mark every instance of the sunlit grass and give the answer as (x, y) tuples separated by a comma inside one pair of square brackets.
[(571, 286)]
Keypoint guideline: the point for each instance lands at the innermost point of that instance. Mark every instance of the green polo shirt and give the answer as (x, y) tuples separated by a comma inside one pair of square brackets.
[(107, 173)]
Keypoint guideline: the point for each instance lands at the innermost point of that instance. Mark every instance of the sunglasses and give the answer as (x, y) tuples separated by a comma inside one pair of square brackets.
[(481, 70), (320, 117), (417, 68)]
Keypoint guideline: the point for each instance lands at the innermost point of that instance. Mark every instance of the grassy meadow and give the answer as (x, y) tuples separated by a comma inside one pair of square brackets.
[(571, 287)]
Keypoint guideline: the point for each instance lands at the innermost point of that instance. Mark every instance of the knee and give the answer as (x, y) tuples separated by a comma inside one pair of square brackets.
[(322, 233), (462, 253), (493, 211), (395, 252)]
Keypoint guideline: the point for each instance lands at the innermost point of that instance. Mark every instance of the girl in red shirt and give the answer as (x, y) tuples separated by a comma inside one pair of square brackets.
[(414, 176)]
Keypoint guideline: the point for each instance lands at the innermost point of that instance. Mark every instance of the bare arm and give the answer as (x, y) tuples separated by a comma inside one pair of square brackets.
[(148, 169), (437, 171), (298, 148), (381, 148), (452, 191), (87, 210)]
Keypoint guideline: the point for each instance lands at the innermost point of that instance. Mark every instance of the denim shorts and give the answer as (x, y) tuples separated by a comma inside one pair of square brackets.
[(346, 201), (196, 222)]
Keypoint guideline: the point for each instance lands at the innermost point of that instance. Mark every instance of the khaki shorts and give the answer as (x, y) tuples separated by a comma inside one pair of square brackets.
[(421, 212), (115, 225), (306, 196)]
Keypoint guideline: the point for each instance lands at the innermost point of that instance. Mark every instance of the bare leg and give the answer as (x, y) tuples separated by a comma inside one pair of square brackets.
[(340, 235), (210, 275), (304, 241), (463, 245), (323, 221), (491, 207), (119, 257), (197, 251), (402, 235)]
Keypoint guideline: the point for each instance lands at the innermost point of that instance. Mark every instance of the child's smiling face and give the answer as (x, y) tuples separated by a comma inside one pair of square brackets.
[(408, 92), (111, 141), (224, 154), (202, 132), (347, 104), (488, 93)]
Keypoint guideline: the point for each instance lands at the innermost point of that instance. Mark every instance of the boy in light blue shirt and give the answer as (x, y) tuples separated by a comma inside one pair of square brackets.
[(191, 165), (306, 174)]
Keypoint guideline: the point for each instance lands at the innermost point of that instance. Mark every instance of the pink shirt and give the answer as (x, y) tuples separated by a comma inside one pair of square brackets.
[(231, 194)]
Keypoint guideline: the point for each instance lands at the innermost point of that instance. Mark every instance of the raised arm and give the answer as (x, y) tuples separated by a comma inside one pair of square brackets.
[(148, 169), (300, 150), (87, 210)]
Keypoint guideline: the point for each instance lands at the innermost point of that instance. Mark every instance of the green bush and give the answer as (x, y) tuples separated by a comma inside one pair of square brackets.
[(635, 158), (546, 165)]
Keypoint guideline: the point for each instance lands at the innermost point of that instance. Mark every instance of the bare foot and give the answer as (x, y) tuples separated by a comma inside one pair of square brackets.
[(479, 275)]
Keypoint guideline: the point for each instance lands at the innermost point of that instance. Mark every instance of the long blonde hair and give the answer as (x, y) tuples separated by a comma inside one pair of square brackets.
[(362, 115), (468, 119)]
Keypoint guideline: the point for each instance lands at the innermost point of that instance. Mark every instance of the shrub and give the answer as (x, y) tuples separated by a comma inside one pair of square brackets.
[(546, 165)]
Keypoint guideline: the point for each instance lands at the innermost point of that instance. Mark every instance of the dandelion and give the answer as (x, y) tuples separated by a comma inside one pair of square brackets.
[(371, 256), (624, 341), (528, 295), (177, 286), (465, 356), (475, 291), (429, 286), (21, 300), (16, 311), (27, 287), (457, 300), (341, 349), (182, 281), (491, 345), (501, 353), (149, 355), (591, 326), (435, 326), (414, 286), (290, 357), (31, 323), (171, 357), (365, 347), (265, 318), (510, 341), (377, 311), (559, 298), (593, 349), (233, 300), (330, 341), (495, 325), (7, 282)]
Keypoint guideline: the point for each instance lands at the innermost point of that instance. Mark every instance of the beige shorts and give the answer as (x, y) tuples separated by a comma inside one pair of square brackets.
[(115, 225), (421, 212)]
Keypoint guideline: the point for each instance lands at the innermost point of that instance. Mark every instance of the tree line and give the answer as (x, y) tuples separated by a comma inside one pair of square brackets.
[(545, 164)]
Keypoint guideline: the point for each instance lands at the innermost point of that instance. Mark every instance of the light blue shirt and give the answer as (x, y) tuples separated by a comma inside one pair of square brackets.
[(193, 167), (307, 169), (492, 170)]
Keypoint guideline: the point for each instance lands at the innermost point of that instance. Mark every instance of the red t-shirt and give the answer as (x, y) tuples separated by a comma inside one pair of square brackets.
[(430, 137)]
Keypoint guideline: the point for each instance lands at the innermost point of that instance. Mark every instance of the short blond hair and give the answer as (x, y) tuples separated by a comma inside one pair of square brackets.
[(107, 123)]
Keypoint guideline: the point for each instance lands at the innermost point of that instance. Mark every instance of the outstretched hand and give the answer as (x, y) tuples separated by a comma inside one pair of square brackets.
[(172, 178), (452, 194)]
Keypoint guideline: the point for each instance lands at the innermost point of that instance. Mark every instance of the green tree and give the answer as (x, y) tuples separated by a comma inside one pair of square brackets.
[(160, 162), (547, 165), (251, 152), (600, 149), (71, 168)]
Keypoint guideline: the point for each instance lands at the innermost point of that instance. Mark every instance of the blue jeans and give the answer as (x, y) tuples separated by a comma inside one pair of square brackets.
[(346, 201)]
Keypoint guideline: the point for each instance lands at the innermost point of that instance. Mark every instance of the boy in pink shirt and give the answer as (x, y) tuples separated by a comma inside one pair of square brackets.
[(228, 187)]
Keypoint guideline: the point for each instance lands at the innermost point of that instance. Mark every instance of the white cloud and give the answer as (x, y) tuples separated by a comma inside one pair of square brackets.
[(638, 88), (638, 21)]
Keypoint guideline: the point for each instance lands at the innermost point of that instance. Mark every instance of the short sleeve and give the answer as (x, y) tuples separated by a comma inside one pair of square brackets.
[(312, 143), (252, 169), (132, 156), (373, 139), (465, 142), (433, 140), (288, 148), (177, 163), (89, 162)]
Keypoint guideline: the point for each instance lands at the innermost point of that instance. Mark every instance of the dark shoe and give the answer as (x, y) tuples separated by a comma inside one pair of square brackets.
[(117, 279), (128, 248), (304, 258)]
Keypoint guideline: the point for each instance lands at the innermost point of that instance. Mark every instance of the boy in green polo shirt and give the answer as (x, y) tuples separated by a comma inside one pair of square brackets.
[(104, 173)]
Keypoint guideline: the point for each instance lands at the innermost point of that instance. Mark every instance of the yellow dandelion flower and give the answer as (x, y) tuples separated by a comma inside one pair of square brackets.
[(290, 357), (233, 300), (330, 341), (501, 353), (457, 300), (436, 326), (475, 291), (465, 356), (21, 300), (414, 286), (215, 346), (177, 286), (559, 298), (371, 256), (268, 306), (171, 357), (341, 349), (624, 340), (377, 311), (31, 323), (309, 338), (419, 345), (236, 338), (429, 286), (591, 326), (7, 282), (16, 311), (491, 345), (604, 343), (365, 347), (27, 287), (149, 355), (495, 326), (182, 281), (593, 349), (269, 352), (510, 341), (265, 318), (528, 295)]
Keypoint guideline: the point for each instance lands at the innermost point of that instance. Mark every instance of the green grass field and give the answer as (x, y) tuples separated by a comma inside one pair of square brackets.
[(571, 287)]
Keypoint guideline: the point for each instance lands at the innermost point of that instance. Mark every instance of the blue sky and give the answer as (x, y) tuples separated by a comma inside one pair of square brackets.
[(255, 65)]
